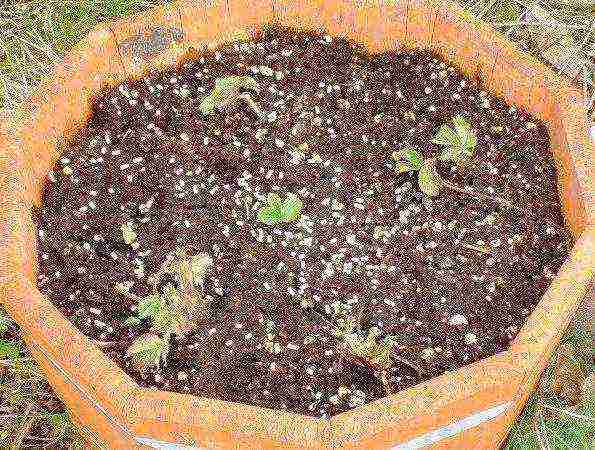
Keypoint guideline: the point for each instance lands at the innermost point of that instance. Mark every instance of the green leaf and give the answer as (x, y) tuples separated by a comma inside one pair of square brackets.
[(9, 349), (291, 208), (226, 91), (377, 353), (403, 167), (165, 320), (236, 82), (277, 210), (446, 136), (274, 201), (461, 125), (207, 105), (132, 321), (408, 160), (466, 135), (128, 233), (428, 180), (270, 216), (459, 144), (147, 351), (149, 306), (171, 296)]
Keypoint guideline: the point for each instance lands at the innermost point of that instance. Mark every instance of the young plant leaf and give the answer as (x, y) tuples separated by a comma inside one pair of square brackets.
[(149, 306), (459, 143), (376, 353), (446, 137), (147, 351), (274, 200), (226, 91), (269, 216), (128, 233), (291, 208), (410, 158), (428, 180), (132, 321), (170, 321), (403, 167), (345, 326), (277, 210)]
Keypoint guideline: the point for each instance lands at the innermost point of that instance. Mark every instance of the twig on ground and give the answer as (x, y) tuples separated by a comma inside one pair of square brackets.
[(539, 431), (569, 413)]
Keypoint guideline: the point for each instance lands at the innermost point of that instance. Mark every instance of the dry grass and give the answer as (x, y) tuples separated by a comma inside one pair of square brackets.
[(34, 34), (31, 416), (561, 33)]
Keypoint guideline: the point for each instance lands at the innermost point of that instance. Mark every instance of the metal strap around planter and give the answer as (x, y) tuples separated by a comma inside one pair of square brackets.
[(112, 420), (427, 439), (162, 445)]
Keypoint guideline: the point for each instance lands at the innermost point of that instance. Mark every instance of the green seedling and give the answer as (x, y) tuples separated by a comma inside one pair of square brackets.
[(411, 160), (229, 90), (270, 341), (173, 309), (458, 144), (367, 349), (277, 210), (376, 352), (128, 233), (148, 350)]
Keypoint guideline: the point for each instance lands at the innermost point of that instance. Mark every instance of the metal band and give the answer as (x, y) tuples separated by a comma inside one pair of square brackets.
[(425, 440)]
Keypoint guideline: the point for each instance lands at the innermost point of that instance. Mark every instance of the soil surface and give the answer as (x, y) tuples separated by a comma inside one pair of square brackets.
[(452, 279)]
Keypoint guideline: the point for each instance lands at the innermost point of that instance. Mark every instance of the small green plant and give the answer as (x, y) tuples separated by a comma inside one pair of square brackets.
[(277, 210), (458, 143), (149, 350), (376, 352), (229, 90), (459, 146), (173, 309), (411, 160), (128, 233)]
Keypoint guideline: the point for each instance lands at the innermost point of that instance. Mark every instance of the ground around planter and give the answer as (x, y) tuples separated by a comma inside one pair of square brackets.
[(31, 416), (28, 67)]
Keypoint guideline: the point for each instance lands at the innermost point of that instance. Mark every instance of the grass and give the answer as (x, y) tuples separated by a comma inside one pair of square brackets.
[(34, 34), (560, 33), (556, 420), (31, 416)]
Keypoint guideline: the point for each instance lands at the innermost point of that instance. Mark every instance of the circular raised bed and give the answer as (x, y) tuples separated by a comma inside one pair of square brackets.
[(420, 398)]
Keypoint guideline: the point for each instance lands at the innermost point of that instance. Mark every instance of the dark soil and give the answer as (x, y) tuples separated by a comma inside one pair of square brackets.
[(368, 243)]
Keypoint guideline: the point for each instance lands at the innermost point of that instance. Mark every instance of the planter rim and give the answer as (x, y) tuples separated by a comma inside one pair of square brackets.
[(100, 59)]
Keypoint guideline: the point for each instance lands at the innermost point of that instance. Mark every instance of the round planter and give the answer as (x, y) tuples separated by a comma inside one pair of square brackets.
[(476, 403)]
